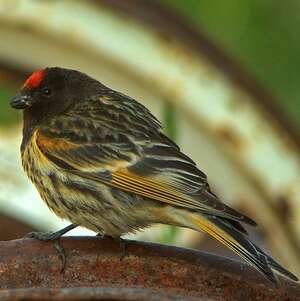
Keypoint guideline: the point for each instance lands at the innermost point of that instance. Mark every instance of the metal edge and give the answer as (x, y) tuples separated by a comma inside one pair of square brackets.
[(98, 262)]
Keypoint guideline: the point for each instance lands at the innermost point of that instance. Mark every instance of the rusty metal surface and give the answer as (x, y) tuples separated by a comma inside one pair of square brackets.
[(95, 262), (87, 293)]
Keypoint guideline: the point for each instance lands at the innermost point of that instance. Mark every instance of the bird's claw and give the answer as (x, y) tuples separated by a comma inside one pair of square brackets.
[(61, 252), (123, 246), (51, 236), (44, 236)]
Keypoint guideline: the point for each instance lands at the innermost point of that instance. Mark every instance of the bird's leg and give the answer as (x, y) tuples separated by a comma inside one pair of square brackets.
[(123, 246), (46, 236), (121, 241), (54, 236)]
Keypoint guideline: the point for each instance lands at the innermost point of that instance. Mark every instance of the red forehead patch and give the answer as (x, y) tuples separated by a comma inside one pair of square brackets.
[(34, 79)]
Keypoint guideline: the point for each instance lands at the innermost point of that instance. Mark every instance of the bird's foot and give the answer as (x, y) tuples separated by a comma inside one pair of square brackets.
[(123, 247), (119, 240), (45, 236), (54, 237)]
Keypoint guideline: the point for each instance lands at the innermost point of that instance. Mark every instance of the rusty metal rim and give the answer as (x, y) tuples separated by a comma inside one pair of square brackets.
[(91, 293), (94, 261), (166, 22)]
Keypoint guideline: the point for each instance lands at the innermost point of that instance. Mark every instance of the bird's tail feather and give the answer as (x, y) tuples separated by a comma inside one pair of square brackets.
[(227, 234)]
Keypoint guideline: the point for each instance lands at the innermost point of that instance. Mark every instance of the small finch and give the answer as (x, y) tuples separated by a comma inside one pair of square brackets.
[(100, 160)]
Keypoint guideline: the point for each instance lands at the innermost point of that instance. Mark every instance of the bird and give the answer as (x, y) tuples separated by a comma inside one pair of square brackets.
[(101, 160)]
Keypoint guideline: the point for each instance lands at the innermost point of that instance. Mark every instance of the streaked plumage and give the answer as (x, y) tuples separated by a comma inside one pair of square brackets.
[(100, 159)]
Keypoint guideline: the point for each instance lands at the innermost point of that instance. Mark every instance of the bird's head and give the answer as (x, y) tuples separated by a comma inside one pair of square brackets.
[(53, 90)]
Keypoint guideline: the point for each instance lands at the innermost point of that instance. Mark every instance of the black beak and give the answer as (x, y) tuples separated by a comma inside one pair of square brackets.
[(21, 101)]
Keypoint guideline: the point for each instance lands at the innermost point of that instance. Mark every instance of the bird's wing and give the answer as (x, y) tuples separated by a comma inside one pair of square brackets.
[(160, 173), (134, 156)]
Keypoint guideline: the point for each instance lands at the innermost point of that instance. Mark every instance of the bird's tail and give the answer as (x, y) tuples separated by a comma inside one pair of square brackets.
[(232, 237)]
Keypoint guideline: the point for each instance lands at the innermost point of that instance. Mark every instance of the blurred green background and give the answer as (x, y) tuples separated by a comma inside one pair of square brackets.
[(263, 35)]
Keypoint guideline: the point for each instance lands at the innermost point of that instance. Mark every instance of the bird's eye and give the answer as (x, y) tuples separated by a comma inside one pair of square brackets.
[(47, 92)]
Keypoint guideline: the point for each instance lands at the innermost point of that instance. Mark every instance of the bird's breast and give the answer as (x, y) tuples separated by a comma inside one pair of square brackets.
[(34, 162), (39, 170)]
